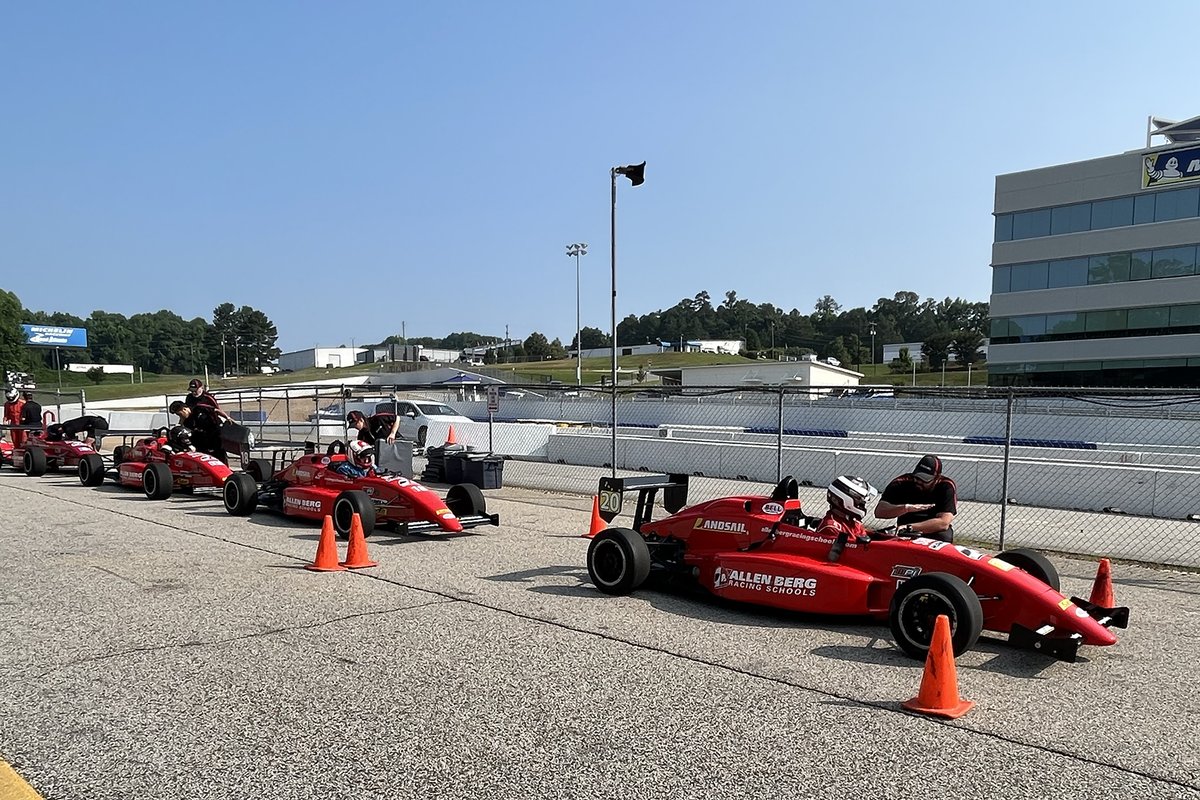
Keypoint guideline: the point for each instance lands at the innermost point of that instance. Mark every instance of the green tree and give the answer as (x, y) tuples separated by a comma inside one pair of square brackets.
[(12, 336), (936, 348), (536, 346), (95, 374), (965, 346)]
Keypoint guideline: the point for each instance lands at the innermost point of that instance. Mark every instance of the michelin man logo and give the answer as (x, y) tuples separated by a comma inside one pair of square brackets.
[(1172, 169)]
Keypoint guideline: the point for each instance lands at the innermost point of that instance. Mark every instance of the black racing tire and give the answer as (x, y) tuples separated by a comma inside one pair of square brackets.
[(260, 469), (91, 470), (618, 560), (240, 494), (422, 435), (157, 481), (33, 463), (120, 453), (1034, 563), (466, 500), (346, 505), (918, 603)]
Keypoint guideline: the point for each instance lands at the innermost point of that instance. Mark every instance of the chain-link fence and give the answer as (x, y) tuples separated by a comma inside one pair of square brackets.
[(1112, 473)]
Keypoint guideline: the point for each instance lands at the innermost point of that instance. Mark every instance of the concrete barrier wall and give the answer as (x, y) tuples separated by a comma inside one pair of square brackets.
[(1104, 426), (1160, 492)]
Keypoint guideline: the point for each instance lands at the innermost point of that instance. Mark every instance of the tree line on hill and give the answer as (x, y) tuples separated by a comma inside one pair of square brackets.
[(244, 339), (236, 340), (949, 326)]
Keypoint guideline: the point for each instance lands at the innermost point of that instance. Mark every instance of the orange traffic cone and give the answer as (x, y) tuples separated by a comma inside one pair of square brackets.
[(1102, 589), (326, 550), (939, 685), (450, 436), (598, 523), (356, 553)]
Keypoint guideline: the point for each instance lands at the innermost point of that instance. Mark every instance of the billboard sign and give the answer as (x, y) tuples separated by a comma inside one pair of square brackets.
[(55, 336), (1170, 168)]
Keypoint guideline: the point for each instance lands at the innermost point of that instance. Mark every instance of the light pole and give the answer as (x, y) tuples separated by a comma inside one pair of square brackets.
[(578, 249), (872, 348), (237, 366), (637, 176), (224, 369)]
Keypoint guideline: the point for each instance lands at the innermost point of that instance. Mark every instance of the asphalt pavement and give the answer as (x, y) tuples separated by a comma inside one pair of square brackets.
[(168, 650)]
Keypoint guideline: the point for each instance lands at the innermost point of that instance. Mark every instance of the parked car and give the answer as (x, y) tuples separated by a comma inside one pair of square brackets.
[(416, 415)]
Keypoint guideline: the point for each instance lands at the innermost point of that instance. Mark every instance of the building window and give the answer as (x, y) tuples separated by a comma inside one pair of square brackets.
[(1185, 316), (1031, 224), (1173, 262), (1149, 319), (1027, 277), (1068, 272), (1070, 219), (1113, 319), (1001, 280), (1179, 204), (1143, 209), (1112, 213), (1109, 269), (1004, 227), (1139, 265)]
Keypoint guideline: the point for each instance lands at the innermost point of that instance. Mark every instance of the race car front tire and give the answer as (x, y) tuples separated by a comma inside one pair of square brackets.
[(1034, 563), (919, 601), (120, 453), (346, 505), (465, 500), (240, 494), (260, 469), (618, 561), (157, 481), (91, 470), (34, 462)]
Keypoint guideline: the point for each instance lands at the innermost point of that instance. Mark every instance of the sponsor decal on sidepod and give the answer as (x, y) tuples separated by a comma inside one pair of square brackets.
[(764, 582)]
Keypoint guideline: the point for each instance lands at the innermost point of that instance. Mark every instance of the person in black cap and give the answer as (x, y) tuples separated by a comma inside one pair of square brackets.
[(375, 427), (924, 499), (198, 395)]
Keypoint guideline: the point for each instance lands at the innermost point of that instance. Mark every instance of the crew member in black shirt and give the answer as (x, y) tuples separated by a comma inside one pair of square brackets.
[(375, 427), (924, 499), (205, 426), (31, 412)]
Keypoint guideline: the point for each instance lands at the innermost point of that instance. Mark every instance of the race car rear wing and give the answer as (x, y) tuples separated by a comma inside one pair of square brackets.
[(612, 495)]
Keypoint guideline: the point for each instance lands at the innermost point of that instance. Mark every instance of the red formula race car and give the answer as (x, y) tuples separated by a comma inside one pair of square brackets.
[(309, 488), (157, 468), (37, 455), (760, 549), (6, 449)]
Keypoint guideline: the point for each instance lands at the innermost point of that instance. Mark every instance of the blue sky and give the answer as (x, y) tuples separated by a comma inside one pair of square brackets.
[(348, 167)]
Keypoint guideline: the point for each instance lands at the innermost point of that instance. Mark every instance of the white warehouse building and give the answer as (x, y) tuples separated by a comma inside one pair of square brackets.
[(319, 357)]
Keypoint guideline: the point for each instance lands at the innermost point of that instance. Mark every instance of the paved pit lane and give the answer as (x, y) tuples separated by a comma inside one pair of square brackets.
[(168, 650)]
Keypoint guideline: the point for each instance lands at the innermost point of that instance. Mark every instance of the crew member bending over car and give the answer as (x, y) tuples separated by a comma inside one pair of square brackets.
[(359, 463), (375, 427), (94, 427), (924, 499), (204, 425)]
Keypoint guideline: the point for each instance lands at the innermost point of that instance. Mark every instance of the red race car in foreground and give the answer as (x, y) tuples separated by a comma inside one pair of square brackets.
[(157, 468), (760, 549), (308, 488)]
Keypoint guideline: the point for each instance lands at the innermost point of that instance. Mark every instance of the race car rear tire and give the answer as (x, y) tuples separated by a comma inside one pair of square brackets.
[(465, 500), (34, 462), (618, 560), (91, 470), (1034, 563), (157, 481), (120, 453), (260, 469), (918, 603), (240, 494), (346, 505)]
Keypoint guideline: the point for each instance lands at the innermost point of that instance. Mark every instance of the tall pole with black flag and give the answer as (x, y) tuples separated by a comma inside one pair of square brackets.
[(637, 176)]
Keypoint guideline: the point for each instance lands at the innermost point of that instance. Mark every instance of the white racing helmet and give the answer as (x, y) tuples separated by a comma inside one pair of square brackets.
[(851, 495), (11, 394), (362, 453)]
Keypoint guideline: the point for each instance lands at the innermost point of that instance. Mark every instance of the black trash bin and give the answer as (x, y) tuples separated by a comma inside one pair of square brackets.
[(486, 472), (454, 469)]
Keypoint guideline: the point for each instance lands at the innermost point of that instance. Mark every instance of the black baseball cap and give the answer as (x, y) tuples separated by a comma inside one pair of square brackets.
[(928, 468), (354, 416), (195, 383)]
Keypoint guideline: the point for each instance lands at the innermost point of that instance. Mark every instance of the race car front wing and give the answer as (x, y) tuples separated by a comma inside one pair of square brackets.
[(1066, 648)]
